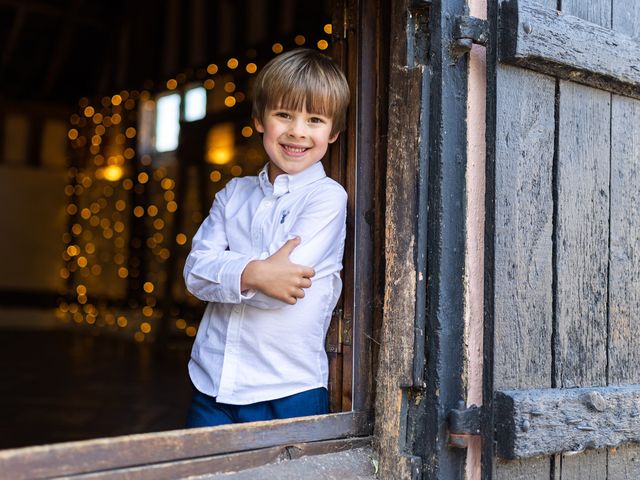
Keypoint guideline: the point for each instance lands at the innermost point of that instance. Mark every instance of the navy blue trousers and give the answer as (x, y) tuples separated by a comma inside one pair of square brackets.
[(205, 411)]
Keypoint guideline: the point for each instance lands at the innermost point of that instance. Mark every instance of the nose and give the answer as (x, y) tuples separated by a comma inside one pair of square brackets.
[(297, 128)]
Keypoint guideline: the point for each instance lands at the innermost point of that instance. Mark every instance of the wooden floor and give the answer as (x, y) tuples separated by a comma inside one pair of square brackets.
[(60, 386)]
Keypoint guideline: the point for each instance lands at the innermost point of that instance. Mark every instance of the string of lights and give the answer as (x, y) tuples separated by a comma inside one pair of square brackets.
[(126, 216)]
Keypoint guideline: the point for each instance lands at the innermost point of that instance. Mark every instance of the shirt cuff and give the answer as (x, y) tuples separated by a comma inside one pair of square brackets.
[(231, 275)]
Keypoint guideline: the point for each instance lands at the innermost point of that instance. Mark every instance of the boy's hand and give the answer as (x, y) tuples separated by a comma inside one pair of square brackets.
[(277, 277)]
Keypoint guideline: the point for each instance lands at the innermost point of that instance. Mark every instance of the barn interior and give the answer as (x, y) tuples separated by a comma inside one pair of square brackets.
[(119, 122)]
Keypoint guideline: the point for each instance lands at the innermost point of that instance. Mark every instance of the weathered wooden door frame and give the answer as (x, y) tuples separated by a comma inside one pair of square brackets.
[(426, 230)]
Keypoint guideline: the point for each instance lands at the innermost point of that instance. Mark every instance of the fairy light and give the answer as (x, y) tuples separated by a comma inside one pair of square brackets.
[(113, 185)]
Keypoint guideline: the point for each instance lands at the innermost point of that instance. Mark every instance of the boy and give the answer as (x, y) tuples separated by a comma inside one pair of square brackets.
[(268, 257)]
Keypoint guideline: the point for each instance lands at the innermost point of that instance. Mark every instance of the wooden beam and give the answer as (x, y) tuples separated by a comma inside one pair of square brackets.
[(232, 462), (531, 423), (568, 47), (75, 458)]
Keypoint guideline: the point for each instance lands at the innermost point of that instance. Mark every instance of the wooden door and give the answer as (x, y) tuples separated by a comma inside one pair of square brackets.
[(562, 298)]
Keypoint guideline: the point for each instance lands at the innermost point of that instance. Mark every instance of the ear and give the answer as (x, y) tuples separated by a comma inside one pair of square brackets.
[(334, 138), (258, 124)]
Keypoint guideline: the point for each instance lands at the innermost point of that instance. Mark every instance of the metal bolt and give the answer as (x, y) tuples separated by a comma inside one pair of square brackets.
[(527, 27), (595, 401), (526, 425)]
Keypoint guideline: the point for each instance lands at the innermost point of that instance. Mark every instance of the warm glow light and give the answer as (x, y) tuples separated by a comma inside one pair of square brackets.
[(82, 262), (251, 68), (138, 211), (209, 84), (181, 323), (212, 69), (181, 239), (328, 29), (172, 207), (152, 210), (215, 176), (220, 143), (130, 132), (172, 84), (116, 100), (277, 48), (145, 327), (123, 272), (89, 111), (230, 101), (76, 229), (73, 134), (147, 311), (229, 87), (138, 337), (232, 63), (121, 205), (167, 183), (247, 132), (143, 177), (299, 40), (116, 118), (191, 331), (239, 96), (73, 250), (236, 170), (323, 44), (122, 322), (81, 289), (113, 173)]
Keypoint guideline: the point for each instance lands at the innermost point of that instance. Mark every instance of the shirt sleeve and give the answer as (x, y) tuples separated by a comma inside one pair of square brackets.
[(212, 272), (321, 226)]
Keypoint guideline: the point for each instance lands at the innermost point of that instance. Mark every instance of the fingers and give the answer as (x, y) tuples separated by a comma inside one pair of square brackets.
[(305, 283), (294, 296), (288, 247), (307, 272)]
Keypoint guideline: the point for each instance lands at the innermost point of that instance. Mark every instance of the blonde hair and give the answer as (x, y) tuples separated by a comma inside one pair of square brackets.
[(303, 78)]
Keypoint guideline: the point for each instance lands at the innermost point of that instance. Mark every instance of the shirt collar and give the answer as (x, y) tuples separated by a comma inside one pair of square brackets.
[(288, 183)]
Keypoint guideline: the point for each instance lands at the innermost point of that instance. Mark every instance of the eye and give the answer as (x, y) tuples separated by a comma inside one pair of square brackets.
[(317, 120), (282, 115)]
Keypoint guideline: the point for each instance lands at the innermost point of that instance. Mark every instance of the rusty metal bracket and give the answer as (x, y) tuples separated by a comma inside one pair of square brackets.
[(468, 30), (463, 423)]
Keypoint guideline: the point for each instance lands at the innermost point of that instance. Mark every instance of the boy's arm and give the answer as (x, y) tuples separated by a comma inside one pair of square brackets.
[(321, 230), (212, 272)]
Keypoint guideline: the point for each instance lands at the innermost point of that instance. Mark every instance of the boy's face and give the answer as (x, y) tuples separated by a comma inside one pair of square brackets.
[(294, 140)]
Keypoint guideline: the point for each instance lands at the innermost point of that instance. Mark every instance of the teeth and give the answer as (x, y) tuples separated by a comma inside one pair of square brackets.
[(294, 149)]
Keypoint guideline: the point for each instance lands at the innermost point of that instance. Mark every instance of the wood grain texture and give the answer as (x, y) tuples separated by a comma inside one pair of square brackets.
[(233, 462), (576, 45), (523, 224), (396, 352), (534, 422), (582, 235), (624, 270), (134, 450), (523, 204)]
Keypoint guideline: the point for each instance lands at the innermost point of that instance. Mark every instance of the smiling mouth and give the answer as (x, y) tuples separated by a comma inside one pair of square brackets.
[(294, 150)]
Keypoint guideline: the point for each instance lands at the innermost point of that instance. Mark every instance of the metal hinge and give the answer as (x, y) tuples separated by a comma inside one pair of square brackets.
[(463, 424), (467, 31)]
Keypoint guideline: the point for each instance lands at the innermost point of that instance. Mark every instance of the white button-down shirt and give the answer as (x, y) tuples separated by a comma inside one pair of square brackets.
[(251, 347)]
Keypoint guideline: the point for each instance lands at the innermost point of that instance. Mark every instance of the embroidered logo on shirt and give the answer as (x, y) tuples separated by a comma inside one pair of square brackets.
[(284, 215)]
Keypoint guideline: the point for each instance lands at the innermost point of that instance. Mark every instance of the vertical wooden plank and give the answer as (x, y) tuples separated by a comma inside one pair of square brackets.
[(624, 269), (523, 236), (581, 238)]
